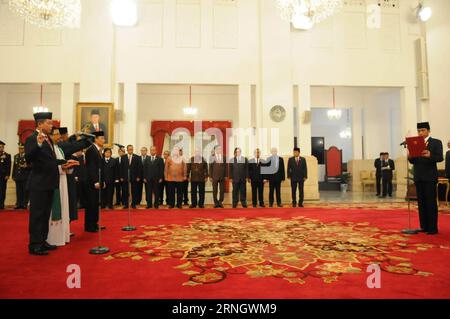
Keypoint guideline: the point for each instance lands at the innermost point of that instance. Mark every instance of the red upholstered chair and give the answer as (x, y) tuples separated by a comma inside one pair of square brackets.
[(333, 163)]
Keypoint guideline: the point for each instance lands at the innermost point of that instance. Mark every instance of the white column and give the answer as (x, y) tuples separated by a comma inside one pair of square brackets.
[(357, 133), (67, 106), (408, 111), (129, 127), (276, 73), (304, 118)]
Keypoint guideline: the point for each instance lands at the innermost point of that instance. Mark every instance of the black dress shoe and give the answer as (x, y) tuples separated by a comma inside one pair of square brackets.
[(221, 205), (201, 206), (91, 230), (156, 207), (234, 206), (432, 232), (133, 206), (170, 206), (294, 204), (254, 206), (420, 230), (149, 207), (111, 207), (192, 206), (72, 234), (125, 207), (47, 246), (180, 206), (38, 251), (216, 206), (301, 205), (244, 205), (262, 205), (279, 205), (270, 205)]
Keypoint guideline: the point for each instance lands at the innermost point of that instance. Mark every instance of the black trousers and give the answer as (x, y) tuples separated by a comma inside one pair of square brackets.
[(378, 184), (108, 195), (175, 188), (275, 186), (163, 187), (82, 194), (118, 186), (257, 193), (218, 187), (40, 209), (300, 185), (185, 186), (387, 185), (2, 191), (134, 186), (139, 189), (72, 193), (428, 209), (200, 187), (92, 209), (21, 194), (239, 193), (152, 193)]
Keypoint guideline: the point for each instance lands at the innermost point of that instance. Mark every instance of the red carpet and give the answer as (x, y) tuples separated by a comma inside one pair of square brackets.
[(323, 254)]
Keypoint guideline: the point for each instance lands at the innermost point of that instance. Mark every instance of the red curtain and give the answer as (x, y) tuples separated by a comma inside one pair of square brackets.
[(26, 127), (159, 129)]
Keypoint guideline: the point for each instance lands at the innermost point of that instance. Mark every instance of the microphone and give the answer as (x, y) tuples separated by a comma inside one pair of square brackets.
[(403, 143), (119, 145)]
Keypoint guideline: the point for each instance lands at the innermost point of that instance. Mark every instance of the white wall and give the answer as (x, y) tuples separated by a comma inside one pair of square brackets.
[(438, 42), (16, 103)]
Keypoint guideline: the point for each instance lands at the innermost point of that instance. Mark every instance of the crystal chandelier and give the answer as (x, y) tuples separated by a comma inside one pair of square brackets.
[(314, 11), (50, 14), (334, 114)]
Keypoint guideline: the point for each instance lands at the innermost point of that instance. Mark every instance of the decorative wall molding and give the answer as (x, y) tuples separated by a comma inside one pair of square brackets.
[(150, 29), (188, 24), (225, 24), (11, 27)]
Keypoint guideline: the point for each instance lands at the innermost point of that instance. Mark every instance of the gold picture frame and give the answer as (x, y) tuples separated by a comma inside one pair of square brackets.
[(91, 117)]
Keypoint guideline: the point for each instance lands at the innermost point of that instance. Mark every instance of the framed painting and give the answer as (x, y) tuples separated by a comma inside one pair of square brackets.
[(92, 117)]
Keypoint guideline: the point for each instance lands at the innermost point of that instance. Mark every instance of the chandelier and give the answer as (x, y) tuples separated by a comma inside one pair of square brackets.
[(50, 14), (314, 11), (334, 114)]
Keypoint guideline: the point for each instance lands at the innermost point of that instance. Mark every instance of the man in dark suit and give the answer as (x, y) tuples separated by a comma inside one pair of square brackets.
[(153, 177), (297, 172), (164, 186), (426, 178), (95, 125), (217, 175), (257, 179), (43, 180), (109, 174), (5, 172), (197, 173), (80, 176), (120, 186), (71, 145), (277, 174), (447, 161), (21, 171), (238, 174), (140, 184), (387, 169), (377, 165), (130, 174), (95, 182)]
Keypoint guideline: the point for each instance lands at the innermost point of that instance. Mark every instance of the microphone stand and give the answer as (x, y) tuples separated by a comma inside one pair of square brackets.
[(409, 230), (98, 250), (129, 227)]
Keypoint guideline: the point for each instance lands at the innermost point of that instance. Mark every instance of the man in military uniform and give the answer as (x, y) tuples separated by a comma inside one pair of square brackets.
[(5, 172), (426, 178), (21, 171)]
